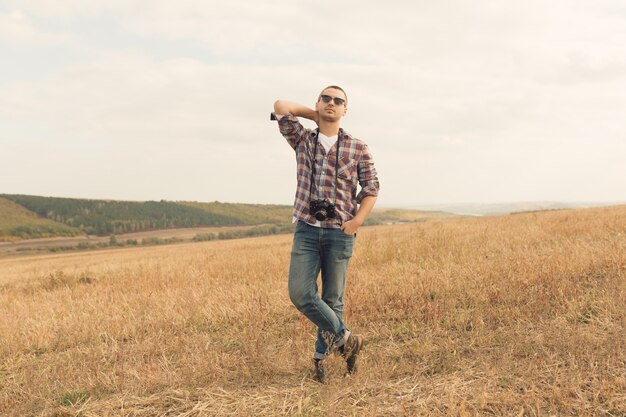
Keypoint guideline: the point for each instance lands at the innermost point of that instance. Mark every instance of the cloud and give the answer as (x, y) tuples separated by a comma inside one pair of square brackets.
[(16, 27), (128, 96)]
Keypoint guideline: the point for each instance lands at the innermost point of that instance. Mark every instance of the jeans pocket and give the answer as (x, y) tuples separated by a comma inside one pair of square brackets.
[(349, 235), (344, 244)]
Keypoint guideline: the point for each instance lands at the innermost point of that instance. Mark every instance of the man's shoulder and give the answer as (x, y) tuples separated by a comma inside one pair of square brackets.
[(353, 141)]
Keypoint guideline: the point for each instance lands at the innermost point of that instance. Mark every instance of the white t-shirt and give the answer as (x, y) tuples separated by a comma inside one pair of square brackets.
[(327, 142)]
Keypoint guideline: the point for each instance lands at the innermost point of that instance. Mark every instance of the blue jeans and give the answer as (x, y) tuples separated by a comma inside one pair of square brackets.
[(328, 250)]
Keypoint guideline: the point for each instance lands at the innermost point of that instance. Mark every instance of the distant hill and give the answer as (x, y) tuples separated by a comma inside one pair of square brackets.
[(27, 217), (103, 217), (16, 222)]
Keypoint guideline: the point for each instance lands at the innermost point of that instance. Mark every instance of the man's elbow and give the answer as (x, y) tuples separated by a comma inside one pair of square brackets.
[(367, 196), (280, 107)]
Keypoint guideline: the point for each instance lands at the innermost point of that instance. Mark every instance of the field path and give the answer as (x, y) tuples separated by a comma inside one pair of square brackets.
[(55, 242)]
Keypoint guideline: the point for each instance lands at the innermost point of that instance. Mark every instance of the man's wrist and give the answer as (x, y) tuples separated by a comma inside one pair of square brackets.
[(307, 113), (358, 220)]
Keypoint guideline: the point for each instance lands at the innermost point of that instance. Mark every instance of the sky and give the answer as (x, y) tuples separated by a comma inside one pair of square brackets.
[(459, 101)]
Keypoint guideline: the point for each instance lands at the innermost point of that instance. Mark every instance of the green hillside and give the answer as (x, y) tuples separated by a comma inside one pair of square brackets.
[(16, 222)]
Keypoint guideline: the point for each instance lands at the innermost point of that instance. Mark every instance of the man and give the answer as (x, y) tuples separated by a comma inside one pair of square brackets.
[(328, 210)]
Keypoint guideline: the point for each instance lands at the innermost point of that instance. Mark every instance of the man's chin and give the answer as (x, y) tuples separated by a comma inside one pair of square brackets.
[(330, 117)]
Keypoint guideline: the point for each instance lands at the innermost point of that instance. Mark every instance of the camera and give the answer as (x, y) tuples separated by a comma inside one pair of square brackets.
[(321, 209)]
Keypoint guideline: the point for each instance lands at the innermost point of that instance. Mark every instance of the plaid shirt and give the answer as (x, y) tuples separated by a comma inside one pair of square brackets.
[(355, 166)]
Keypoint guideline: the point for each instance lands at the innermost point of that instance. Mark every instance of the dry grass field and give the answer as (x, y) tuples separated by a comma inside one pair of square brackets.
[(521, 315)]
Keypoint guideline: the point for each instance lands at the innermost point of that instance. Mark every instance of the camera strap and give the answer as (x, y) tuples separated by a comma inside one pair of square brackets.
[(314, 163)]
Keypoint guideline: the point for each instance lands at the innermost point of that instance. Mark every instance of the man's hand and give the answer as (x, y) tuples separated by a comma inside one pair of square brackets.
[(316, 118), (351, 226)]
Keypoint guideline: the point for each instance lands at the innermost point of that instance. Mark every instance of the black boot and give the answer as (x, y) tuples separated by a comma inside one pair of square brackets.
[(320, 371), (351, 351)]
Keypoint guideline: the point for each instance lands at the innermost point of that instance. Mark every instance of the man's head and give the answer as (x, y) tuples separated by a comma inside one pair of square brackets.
[(332, 103)]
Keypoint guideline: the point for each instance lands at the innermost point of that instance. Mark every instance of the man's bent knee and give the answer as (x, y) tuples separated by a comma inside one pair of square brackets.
[(299, 298)]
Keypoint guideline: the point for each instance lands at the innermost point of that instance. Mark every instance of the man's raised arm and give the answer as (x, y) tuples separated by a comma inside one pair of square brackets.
[(283, 107)]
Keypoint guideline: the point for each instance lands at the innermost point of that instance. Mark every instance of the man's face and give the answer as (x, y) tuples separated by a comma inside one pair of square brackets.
[(331, 111)]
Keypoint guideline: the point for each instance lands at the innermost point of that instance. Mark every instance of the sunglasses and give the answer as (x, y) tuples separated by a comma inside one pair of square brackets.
[(338, 101)]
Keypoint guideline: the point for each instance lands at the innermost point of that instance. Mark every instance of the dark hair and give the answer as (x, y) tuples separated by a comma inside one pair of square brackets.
[(336, 87)]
